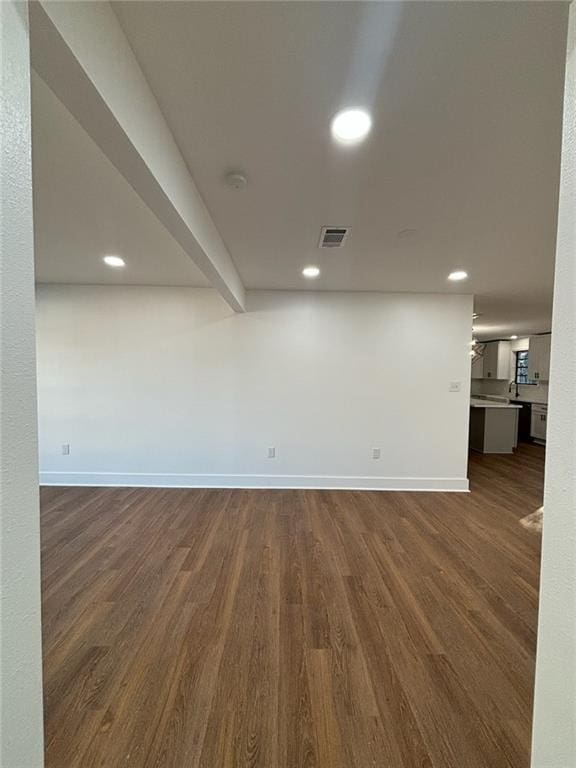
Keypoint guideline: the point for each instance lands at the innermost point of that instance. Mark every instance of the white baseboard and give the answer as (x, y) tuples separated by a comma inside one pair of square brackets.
[(328, 482)]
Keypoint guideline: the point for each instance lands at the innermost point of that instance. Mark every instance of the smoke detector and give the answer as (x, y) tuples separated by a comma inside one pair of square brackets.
[(333, 237), (236, 180)]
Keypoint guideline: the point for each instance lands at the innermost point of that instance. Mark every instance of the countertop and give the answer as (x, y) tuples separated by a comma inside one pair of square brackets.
[(476, 402)]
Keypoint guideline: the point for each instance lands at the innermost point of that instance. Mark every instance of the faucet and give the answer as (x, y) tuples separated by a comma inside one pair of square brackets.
[(511, 385)]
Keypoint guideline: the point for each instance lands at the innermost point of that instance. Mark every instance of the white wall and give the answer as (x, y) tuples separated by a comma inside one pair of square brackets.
[(21, 741), (554, 733), (168, 386)]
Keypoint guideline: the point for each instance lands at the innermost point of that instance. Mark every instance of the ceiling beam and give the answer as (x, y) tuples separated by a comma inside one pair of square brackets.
[(81, 52)]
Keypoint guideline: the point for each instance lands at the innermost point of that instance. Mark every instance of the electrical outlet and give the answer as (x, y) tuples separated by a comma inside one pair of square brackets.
[(375, 453), (455, 386), (272, 452), (66, 449)]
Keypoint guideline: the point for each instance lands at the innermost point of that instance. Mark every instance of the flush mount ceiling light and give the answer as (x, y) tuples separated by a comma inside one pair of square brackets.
[(513, 337), (351, 126), (311, 272), (236, 180), (457, 275), (114, 261)]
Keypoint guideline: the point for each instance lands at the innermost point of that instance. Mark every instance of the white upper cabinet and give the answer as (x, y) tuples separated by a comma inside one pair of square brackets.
[(478, 368), (539, 358), (494, 363)]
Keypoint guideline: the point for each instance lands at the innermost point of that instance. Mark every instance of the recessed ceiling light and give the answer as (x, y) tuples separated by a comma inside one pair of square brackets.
[(114, 261), (311, 272), (459, 274), (351, 126), (513, 337)]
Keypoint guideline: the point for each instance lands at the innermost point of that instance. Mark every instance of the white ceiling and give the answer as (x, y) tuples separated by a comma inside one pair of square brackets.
[(466, 103), (84, 209)]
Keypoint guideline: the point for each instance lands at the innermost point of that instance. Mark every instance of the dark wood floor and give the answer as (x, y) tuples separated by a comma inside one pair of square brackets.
[(277, 629)]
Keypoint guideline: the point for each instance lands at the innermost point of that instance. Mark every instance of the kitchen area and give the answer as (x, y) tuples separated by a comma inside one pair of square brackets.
[(509, 393)]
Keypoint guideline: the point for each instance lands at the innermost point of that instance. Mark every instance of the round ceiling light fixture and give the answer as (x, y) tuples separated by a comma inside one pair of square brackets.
[(351, 126), (114, 261), (311, 272), (514, 337), (457, 275), (236, 180)]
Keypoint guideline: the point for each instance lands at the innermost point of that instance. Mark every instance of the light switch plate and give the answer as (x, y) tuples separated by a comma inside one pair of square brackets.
[(455, 386)]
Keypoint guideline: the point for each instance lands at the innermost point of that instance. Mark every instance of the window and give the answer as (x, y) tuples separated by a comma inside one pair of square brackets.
[(522, 368)]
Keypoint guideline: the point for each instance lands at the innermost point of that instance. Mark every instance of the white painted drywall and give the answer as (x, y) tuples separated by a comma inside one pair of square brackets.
[(554, 732), (169, 386), (21, 739)]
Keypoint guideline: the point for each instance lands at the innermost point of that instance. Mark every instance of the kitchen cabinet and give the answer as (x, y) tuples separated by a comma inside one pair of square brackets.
[(493, 426), (539, 421), (478, 368), (539, 358), (496, 361)]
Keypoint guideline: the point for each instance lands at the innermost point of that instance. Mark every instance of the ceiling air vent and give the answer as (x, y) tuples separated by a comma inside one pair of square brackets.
[(333, 237)]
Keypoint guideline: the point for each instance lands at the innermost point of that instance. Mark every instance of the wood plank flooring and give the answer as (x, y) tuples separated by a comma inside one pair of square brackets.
[(279, 629)]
